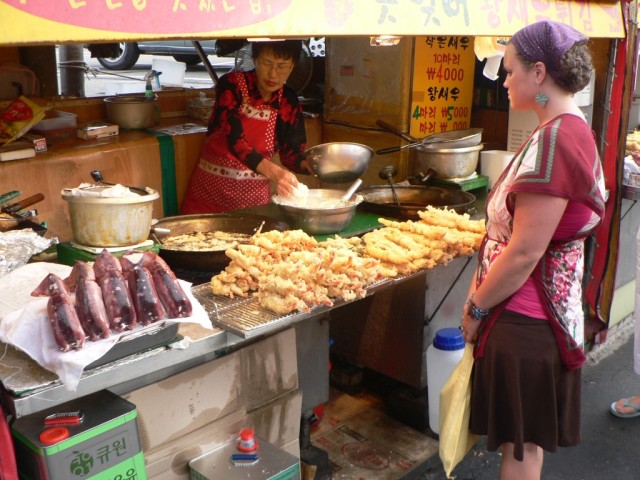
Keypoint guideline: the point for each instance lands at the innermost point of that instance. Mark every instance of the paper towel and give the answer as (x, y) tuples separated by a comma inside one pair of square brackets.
[(493, 162), (491, 48)]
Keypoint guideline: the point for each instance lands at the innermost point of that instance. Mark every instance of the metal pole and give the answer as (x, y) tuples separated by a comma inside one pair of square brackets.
[(205, 60), (72, 69)]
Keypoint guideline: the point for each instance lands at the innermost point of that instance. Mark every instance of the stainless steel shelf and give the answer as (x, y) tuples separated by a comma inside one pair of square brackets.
[(34, 389)]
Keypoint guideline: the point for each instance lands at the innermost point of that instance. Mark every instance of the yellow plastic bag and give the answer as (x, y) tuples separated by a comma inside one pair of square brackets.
[(455, 408), (18, 117)]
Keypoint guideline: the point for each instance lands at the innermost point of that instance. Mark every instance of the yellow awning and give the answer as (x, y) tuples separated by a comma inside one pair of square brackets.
[(33, 22)]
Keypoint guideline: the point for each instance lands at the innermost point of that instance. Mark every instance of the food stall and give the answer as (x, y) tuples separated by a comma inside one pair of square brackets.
[(277, 363)]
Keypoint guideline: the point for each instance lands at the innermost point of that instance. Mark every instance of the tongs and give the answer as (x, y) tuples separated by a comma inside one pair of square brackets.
[(434, 138)]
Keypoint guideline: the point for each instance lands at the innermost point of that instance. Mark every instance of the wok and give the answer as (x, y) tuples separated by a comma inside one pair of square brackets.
[(212, 260), (379, 199)]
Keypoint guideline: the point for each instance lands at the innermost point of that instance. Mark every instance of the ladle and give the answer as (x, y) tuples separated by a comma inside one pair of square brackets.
[(349, 193), (387, 173), (97, 176)]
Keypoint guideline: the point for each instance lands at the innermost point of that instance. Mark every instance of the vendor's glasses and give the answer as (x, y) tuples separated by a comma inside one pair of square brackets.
[(281, 68)]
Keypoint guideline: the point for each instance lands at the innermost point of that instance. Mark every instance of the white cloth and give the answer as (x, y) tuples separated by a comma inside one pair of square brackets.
[(99, 191), (24, 323)]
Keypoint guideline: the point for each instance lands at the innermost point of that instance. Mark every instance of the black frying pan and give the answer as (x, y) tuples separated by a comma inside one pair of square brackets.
[(215, 260), (411, 199)]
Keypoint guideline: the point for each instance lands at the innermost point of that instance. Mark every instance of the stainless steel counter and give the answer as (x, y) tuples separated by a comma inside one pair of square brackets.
[(29, 388)]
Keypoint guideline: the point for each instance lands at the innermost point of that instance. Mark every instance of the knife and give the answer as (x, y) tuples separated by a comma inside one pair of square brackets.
[(5, 197), (14, 207)]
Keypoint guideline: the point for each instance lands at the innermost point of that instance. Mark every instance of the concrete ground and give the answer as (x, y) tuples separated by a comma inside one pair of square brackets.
[(609, 448)]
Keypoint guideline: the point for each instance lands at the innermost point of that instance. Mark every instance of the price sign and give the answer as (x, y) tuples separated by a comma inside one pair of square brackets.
[(442, 84)]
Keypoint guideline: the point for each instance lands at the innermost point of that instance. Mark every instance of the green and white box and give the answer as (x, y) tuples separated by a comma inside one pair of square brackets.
[(105, 445)]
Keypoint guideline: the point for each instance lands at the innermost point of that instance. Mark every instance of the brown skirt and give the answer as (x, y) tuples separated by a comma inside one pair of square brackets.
[(521, 390)]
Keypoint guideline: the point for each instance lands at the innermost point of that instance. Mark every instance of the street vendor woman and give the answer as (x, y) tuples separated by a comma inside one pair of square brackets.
[(254, 117)]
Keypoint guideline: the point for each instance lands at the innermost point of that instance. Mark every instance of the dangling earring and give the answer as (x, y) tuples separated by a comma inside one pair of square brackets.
[(542, 98)]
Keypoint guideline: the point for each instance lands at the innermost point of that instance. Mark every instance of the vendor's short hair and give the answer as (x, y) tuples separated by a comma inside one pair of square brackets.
[(284, 49)]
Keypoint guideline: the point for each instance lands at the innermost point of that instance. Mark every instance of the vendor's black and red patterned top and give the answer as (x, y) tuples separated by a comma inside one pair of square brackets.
[(243, 130)]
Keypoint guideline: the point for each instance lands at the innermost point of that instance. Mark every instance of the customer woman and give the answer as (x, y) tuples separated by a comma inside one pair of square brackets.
[(255, 116), (524, 309)]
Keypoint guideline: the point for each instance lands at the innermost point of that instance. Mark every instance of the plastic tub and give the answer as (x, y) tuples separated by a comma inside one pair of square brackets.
[(118, 88), (110, 222), (172, 72), (56, 126)]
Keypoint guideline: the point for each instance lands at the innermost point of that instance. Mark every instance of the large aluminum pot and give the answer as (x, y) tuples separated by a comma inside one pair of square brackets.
[(446, 162), (131, 111), (210, 260), (320, 212), (110, 222)]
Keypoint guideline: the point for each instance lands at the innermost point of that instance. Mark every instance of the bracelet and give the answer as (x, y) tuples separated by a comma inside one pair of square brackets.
[(475, 312)]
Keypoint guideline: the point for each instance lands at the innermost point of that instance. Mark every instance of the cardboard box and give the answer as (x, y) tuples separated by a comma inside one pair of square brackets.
[(244, 380), (278, 422), (16, 151), (97, 130), (38, 141)]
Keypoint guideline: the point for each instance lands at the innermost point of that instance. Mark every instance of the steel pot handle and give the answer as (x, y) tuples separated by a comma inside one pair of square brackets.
[(383, 151), (393, 129)]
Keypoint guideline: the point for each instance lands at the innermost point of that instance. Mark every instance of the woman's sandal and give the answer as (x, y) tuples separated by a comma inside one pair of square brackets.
[(626, 403)]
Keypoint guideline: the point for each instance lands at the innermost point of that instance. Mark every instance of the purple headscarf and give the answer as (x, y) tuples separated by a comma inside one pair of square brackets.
[(546, 41)]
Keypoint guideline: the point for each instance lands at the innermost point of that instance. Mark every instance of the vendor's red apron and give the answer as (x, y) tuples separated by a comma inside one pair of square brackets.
[(220, 181)]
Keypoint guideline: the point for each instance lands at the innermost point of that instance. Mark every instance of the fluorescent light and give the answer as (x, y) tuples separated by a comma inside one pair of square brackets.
[(384, 40)]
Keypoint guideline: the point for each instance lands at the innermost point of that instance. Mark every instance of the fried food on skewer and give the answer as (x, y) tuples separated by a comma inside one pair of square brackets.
[(449, 218), (290, 271)]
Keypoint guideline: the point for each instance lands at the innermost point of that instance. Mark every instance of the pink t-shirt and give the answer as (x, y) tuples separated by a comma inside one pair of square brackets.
[(527, 300)]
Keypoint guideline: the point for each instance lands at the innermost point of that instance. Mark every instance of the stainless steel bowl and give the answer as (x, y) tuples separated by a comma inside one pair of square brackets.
[(339, 162), (447, 162), (318, 215), (131, 111)]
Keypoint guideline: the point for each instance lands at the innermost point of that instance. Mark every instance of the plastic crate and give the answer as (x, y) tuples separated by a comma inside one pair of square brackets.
[(57, 126)]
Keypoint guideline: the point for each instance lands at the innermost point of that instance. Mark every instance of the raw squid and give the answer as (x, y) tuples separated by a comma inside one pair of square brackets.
[(89, 304), (64, 321), (115, 293), (148, 306), (106, 262), (175, 301)]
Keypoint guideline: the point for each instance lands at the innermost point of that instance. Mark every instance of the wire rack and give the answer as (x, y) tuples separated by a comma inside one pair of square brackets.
[(246, 318)]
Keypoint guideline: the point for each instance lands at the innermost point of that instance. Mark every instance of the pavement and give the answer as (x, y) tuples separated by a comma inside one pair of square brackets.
[(609, 448)]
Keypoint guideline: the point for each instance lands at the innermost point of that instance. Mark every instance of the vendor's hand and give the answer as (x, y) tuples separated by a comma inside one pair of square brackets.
[(469, 328), (286, 184), (306, 167), (284, 181)]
